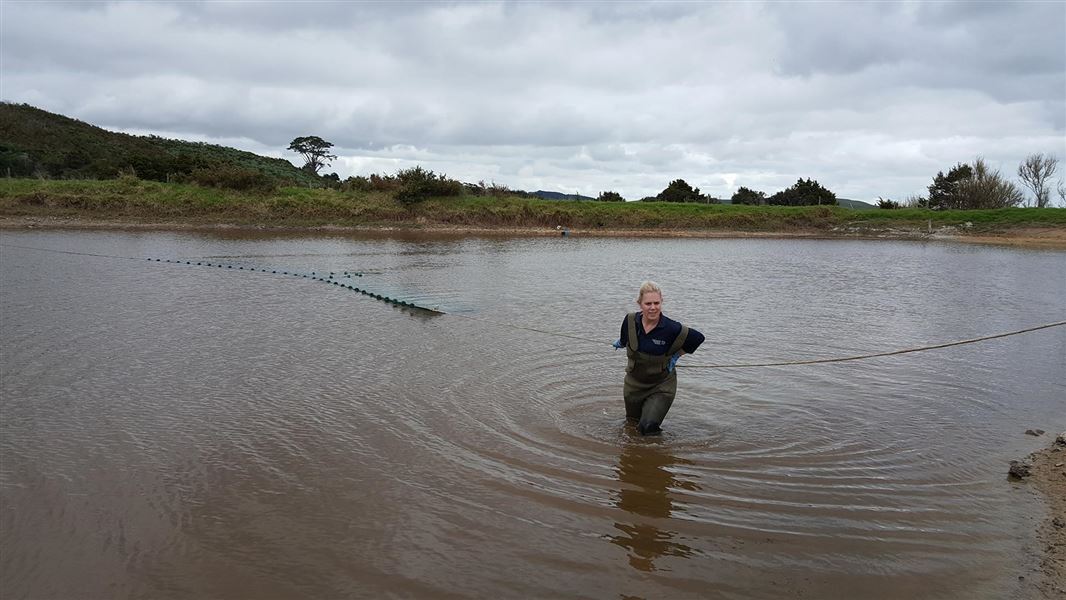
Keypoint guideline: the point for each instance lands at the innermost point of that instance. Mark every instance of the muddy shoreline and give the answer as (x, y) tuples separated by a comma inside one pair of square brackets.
[(1027, 237), (1048, 476)]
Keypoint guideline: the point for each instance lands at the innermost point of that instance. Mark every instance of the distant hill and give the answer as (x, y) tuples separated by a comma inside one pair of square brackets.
[(856, 204), (559, 196), (35, 142)]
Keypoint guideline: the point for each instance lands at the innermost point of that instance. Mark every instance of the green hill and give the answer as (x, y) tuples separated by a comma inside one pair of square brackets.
[(558, 196), (856, 204), (37, 143)]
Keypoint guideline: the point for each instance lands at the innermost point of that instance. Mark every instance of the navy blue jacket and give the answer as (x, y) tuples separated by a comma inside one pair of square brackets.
[(659, 340)]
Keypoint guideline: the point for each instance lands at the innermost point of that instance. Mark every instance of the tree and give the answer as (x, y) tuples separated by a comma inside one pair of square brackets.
[(805, 192), (887, 204), (679, 191), (943, 193), (611, 197), (315, 151), (1061, 188), (1035, 171), (988, 189), (746, 196)]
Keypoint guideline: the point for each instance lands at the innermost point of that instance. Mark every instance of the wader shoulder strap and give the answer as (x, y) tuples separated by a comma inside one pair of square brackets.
[(680, 341), (631, 321)]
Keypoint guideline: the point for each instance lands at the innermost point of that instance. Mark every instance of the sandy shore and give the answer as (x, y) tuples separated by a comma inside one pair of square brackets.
[(1034, 237), (1028, 237)]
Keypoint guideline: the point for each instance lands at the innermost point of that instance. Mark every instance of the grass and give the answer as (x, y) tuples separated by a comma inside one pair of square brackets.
[(129, 199)]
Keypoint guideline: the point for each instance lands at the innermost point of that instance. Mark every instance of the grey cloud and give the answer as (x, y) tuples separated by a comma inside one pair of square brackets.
[(974, 45), (870, 98), (272, 17)]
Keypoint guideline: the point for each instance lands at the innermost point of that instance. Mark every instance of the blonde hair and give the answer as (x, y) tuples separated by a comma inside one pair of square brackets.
[(648, 287)]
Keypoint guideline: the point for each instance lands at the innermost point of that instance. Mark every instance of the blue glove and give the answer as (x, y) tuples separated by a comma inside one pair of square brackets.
[(673, 362), (617, 344)]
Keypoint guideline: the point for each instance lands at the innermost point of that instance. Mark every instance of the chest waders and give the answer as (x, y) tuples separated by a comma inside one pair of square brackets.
[(649, 389)]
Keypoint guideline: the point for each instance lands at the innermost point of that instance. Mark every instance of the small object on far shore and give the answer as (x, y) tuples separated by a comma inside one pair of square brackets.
[(1018, 469), (1034, 432), (1061, 440)]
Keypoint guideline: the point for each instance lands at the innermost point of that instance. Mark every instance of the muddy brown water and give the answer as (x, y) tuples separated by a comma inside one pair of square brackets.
[(174, 431)]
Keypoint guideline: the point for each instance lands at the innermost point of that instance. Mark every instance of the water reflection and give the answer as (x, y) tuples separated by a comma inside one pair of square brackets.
[(645, 492)]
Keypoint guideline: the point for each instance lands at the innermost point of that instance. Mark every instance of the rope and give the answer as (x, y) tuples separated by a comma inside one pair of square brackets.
[(865, 356), (782, 363)]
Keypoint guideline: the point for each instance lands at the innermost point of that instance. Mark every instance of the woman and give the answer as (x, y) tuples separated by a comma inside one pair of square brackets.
[(653, 343)]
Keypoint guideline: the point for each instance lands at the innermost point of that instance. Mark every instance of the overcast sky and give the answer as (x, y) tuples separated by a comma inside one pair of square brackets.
[(871, 99)]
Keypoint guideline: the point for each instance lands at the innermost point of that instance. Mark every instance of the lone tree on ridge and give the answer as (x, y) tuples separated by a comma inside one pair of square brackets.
[(315, 151)]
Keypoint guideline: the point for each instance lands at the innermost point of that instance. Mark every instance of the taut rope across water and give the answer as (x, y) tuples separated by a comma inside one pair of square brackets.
[(814, 361), (818, 361)]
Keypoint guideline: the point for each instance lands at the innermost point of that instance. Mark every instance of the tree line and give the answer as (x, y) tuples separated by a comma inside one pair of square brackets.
[(973, 186), (416, 183), (805, 192), (965, 186)]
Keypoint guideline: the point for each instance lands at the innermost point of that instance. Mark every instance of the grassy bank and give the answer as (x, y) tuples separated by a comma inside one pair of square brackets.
[(131, 200)]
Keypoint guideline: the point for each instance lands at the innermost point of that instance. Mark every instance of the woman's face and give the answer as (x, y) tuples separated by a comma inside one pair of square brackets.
[(651, 304)]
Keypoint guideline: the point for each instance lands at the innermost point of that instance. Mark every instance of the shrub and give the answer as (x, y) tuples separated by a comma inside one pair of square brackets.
[(14, 162), (231, 177), (332, 181), (417, 184), (356, 184), (475, 189), (679, 191), (387, 183), (748, 196), (988, 189), (803, 193), (498, 190), (916, 201)]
